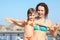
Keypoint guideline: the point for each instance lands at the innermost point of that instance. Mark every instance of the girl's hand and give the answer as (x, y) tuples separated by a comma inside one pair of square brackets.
[(9, 20)]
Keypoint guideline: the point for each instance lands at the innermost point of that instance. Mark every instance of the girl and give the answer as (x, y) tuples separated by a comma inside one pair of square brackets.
[(28, 29)]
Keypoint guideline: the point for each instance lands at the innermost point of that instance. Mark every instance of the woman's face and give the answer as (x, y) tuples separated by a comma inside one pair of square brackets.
[(32, 16), (41, 11)]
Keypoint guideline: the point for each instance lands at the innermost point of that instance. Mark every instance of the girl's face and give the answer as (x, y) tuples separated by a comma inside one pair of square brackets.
[(32, 16), (41, 11)]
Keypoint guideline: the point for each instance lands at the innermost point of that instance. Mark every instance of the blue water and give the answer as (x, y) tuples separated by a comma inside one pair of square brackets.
[(14, 37), (7, 36)]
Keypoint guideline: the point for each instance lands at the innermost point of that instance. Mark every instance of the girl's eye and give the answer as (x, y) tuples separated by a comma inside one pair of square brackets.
[(38, 10), (30, 15), (33, 15)]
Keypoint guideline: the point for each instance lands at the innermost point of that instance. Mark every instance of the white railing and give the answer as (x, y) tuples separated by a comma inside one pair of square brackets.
[(11, 35)]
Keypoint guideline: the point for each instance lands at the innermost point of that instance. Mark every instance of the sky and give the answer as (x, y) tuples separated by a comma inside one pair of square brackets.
[(17, 9)]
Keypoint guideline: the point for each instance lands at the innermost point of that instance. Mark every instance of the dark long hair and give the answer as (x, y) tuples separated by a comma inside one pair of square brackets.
[(45, 7)]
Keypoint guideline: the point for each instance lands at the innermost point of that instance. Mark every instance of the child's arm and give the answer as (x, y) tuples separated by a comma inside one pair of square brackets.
[(16, 22)]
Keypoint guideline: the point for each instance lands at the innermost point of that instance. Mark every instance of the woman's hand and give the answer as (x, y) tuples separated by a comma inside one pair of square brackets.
[(56, 26)]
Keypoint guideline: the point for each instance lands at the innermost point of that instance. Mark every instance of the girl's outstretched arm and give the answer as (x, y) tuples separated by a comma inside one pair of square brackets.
[(15, 21)]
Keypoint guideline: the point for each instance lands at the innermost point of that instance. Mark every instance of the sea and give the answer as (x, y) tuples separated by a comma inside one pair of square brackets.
[(20, 36)]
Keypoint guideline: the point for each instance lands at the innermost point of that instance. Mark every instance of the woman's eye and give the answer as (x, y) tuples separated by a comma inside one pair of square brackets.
[(30, 15)]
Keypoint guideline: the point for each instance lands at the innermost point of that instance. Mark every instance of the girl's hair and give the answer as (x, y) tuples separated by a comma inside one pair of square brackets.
[(30, 11), (45, 6)]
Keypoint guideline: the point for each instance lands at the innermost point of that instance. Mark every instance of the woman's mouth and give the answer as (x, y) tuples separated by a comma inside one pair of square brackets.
[(40, 14)]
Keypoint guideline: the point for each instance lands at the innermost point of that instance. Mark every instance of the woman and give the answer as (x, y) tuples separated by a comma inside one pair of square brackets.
[(43, 23)]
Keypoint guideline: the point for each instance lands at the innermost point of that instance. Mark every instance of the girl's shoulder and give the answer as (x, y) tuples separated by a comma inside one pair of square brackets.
[(25, 20)]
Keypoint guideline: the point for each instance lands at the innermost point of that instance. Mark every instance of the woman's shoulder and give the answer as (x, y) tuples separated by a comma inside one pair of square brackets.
[(48, 20)]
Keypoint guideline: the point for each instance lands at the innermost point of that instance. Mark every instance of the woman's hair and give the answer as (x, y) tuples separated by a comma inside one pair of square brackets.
[(45, 7), (30, 11)]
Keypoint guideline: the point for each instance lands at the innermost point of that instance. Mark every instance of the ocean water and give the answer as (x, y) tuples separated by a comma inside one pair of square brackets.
[(16, 36), (11, 36)]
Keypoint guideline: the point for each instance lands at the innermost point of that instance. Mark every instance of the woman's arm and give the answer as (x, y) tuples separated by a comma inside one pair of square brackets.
[(16, 22), (53, 28), (56, 27), (55, 31)]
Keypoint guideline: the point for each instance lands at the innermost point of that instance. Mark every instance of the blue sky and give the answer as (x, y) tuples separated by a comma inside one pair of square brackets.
[(17, 9)]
